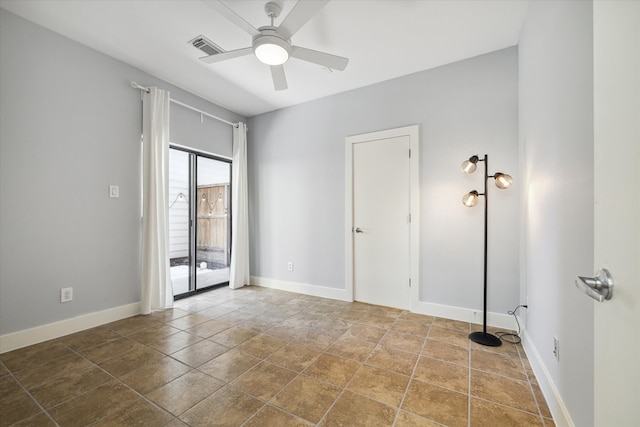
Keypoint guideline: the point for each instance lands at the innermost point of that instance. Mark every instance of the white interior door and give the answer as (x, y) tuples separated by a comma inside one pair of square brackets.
[(381, 212), (617, 211)]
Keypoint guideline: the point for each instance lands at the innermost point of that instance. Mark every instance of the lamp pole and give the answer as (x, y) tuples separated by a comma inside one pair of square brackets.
[(484, 337)]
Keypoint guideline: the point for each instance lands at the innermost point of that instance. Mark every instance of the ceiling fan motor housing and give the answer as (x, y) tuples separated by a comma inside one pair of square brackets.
[(271, 47)]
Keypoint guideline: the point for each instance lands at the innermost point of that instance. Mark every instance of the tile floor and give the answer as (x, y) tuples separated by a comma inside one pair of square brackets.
[(260, 357)]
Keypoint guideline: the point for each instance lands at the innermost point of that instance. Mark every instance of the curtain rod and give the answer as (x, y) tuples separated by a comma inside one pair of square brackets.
[(204, 113)]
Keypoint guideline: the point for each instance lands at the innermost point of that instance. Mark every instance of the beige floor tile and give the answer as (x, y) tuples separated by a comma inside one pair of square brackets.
[(505, 348), (444, 374), (358, 411), (216, 311), (390, 312), (306, 398), (333, 369), (451, 336), (394, 360), (505, 365), (139, 413), (89, 338), (452, 324), (403, 341), (383, 386), (442, 350), (154, 334), (184, 392), (415, 317), (436, 403), (233, 337), (38, 354), (100, 353), (380, 321), (227, 407), (488, 414), (351, 348), (317, 339), (407, 419), (155, 374), (365, 333), (40, 420), (411, 327), (259, 323), (3, 371), (189, 321), (542, 403), (270, 416), (209, 328), (15, 404), (199, 353), (230, 365), (132, 360), (294, 357), (264, 380), (502, 390), (133, 325), (349, 314), (168, 314), (68, 384), (42, 374), (262, 346), (175, 342), (93, 405)]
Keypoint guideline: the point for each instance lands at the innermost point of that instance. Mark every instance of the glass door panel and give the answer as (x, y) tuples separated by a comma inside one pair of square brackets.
[(212, 227), (179, 221), (199, 221)]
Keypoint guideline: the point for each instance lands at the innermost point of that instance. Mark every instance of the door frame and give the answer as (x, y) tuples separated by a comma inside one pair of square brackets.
[(414, 206)]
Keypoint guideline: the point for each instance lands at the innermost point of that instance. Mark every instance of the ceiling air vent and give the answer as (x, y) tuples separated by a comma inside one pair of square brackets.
[(206, 45)]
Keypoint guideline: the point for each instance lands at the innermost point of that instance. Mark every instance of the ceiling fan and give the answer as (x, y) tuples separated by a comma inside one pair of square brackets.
[(272, 45)]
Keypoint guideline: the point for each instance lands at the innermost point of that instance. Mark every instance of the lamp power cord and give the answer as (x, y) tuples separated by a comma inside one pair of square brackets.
[(512, 338)]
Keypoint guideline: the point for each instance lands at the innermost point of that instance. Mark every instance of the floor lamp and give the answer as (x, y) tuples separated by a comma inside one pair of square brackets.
[(503, 181)]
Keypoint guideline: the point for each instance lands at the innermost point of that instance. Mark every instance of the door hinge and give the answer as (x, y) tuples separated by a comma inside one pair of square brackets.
[(409, 153), (409, 282), (409, 218)]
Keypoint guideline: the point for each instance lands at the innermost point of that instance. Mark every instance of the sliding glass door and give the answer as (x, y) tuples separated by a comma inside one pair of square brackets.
[(199, 221)]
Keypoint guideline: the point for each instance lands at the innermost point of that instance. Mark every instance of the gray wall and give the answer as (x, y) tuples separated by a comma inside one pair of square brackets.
[(556, 138), (297, 179), (70, 126)]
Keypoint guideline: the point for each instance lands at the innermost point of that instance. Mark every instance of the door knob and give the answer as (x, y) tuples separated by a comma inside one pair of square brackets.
[(599, 288), (358, 230)]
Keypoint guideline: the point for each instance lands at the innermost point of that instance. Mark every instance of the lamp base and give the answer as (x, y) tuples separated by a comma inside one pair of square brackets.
[(485, 339)]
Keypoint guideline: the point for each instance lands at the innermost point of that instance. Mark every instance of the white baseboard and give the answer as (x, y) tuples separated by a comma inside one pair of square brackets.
[(301, 288), (561, 416), (497, 320), (26, 337)]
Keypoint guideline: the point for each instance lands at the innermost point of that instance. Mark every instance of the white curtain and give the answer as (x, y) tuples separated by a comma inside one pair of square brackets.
[(156, 279), (239, 274)]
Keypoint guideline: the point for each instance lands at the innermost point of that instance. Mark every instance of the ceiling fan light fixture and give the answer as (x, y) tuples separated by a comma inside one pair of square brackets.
[(271, 50)]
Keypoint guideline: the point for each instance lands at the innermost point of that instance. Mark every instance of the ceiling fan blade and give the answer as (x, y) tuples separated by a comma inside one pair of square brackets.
[(228, 13), (279, 79), (219, 57), (325, 59), (301, 13)]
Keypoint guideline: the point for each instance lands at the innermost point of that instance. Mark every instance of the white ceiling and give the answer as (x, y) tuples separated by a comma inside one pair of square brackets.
[(383, 39)]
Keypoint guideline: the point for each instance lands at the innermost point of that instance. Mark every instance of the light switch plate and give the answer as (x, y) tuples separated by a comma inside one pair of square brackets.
[(114, 191)]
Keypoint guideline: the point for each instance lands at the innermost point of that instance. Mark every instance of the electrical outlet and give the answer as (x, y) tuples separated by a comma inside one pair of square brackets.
[(66, 294), (290, 266), (556, 348)]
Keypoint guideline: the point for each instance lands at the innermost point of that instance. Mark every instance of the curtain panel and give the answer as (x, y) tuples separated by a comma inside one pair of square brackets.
[(156, 277), (239, 269)]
